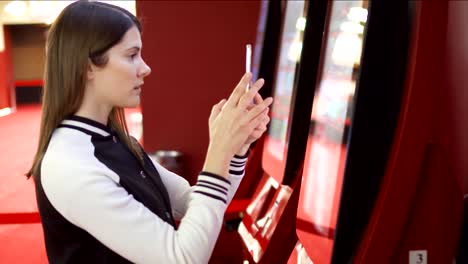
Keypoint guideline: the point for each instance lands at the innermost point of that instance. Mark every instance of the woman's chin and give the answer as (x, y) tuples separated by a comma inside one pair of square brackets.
[(132, 103)]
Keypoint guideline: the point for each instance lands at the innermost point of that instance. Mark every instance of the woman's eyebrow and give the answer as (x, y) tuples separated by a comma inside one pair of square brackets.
[(137, 48)]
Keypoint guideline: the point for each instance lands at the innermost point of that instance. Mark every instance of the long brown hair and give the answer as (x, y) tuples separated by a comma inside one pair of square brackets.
[(82, 34)]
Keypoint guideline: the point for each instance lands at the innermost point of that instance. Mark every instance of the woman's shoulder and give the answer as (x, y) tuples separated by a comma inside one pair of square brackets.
[(68, 147), (70, 159), (70, 170)]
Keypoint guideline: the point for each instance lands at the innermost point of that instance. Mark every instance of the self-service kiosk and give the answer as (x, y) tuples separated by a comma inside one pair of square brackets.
[(268, 226), (418, 213), (388, 190)]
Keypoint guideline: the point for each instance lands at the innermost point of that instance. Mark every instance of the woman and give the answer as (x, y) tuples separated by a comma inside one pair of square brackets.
[(100, 197)]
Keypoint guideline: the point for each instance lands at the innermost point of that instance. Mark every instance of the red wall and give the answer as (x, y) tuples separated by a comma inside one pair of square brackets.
[(6, 73), (196, 52)]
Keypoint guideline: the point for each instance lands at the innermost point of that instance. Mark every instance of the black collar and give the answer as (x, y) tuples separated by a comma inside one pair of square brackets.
[(86, 125)]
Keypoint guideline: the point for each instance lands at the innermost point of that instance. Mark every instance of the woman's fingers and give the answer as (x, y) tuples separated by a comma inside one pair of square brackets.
[(239, 90), (239, 97), (221, 104), (258, 98), (216, 109), (248, 97), (264, 120), (258, 110), (258, 126)]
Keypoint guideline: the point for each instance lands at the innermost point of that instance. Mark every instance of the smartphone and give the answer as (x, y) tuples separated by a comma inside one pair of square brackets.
[(248, 60)]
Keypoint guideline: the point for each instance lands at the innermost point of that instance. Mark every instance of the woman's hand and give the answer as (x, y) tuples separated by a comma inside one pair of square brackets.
[(257, 132), (235, 123), (262, 127)]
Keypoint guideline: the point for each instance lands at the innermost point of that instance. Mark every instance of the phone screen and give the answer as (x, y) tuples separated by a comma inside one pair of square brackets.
[(248, 60)]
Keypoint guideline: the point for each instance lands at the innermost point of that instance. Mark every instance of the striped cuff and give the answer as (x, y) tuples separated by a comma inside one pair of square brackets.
[(246, 155), (237, 166), (213, 186)]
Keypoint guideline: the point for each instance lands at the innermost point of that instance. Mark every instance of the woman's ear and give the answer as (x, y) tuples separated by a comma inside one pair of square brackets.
[(91, 70)]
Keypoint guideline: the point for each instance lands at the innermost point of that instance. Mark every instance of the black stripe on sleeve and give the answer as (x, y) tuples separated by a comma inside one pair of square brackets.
[(212, 196), (237, 165), (233, 172), (213, 184), (238, 162), (212, 188), (216, 176), (243, 157)]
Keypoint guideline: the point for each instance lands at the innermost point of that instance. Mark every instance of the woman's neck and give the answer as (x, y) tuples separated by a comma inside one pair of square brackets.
[(94, 112)]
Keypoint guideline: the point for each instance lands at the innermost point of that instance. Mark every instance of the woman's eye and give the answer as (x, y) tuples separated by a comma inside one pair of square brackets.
[(133, 55)]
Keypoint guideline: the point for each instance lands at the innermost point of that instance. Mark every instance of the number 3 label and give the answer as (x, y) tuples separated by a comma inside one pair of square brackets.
[(418, 257)]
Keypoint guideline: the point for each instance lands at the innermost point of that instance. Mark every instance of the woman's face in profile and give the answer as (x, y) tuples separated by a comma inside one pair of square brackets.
[(118, 83)]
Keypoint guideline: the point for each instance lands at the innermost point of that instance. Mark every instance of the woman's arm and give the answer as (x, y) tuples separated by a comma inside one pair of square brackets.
[(93, 200), (179, 189)]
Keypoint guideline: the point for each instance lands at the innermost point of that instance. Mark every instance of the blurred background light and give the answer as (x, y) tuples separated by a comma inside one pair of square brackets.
[(43, 12)]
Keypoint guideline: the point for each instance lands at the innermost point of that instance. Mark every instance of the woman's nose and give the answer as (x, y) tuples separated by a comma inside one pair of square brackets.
[(145, 70)]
